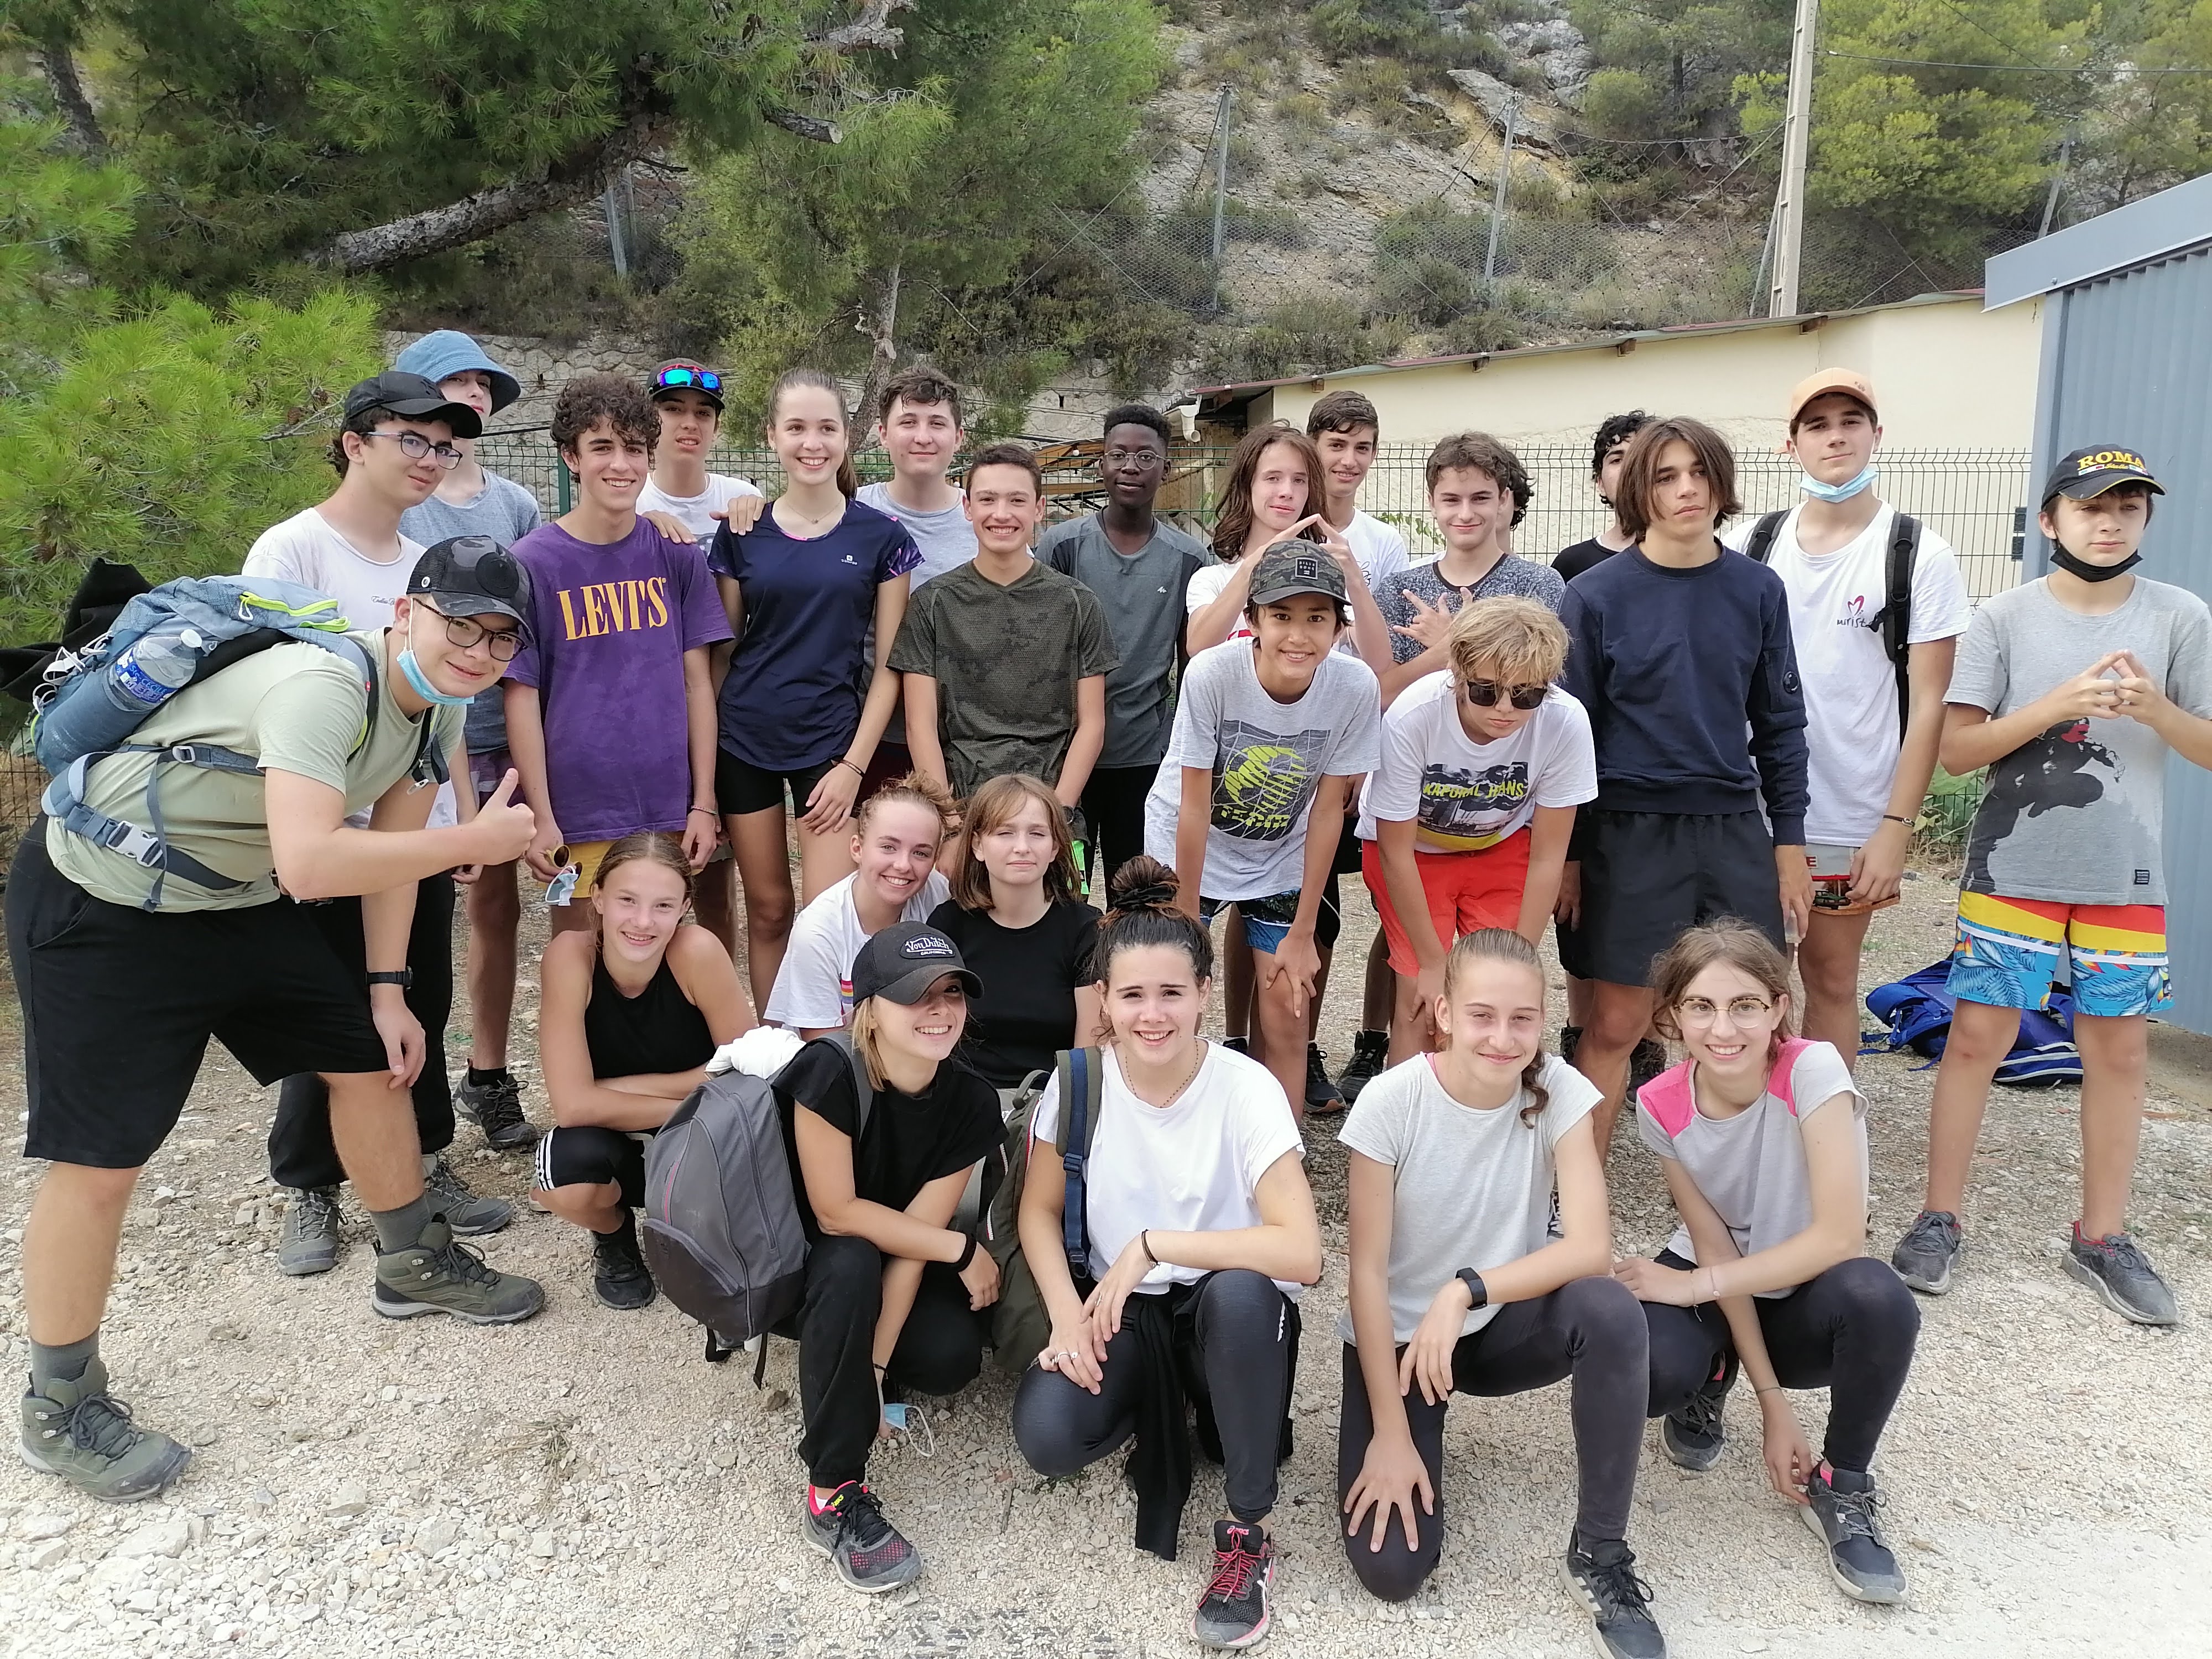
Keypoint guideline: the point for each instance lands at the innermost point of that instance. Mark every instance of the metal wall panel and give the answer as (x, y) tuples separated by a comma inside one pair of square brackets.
[(2131, 364)]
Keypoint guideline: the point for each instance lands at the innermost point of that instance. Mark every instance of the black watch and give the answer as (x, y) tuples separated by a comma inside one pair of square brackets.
[(404, 979), (1475, 1288)]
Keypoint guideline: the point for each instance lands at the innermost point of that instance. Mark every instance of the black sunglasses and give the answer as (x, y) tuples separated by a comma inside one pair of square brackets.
[(1485, 694), (690, 374)]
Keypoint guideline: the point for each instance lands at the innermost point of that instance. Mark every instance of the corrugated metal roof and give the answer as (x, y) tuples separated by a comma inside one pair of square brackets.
[(1243, 390), (2168, 222)]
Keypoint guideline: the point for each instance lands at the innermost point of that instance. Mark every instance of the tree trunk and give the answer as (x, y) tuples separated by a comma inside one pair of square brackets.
[(80, 125), (881, 326)]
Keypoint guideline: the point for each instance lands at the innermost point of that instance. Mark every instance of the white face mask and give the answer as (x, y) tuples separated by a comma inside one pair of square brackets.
[(1842, 492)]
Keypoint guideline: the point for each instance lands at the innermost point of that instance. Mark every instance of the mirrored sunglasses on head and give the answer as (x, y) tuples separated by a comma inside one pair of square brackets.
[(683, 374)]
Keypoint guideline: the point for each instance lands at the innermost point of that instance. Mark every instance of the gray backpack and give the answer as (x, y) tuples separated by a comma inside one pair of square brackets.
[(721, 1230)]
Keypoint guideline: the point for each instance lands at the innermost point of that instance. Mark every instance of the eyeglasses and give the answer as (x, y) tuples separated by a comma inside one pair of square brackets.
[(1485, 694), (466, 632), (1133, 458), (687, 375), (414, 445), (1742, 1011)]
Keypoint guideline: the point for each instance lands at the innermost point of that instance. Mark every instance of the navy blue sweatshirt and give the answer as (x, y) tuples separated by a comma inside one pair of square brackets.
[(1690, 682)]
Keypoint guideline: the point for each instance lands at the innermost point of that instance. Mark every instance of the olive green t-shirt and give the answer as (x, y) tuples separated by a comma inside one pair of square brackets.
[(297, 708)]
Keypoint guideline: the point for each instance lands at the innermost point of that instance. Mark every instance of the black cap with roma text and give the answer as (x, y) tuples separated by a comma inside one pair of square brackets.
[(904, 960), (2086, 473)]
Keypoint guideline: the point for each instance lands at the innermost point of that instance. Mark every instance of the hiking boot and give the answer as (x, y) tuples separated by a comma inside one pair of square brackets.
[(1603, 1579), (469, 1214), (2116, 1268), (1931, 1246), (619, 1276), (310, 1240), (1570, 1037), (1645, 1061), (74, 1429), (869, 1553), (1322, 1097), (495, 1107), (1233, 1612), (437, 1275), (1693, 1435), (1839, 1507), (1370, 1052)]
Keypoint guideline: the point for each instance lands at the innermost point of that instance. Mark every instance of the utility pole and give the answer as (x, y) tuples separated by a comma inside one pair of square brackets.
[(1221, 109), (1789, 206), (1497, 198), (2057, 184)]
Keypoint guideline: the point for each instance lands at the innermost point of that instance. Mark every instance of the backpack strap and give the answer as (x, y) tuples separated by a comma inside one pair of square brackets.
[(1082, 1086), (1761, 545), (1896, 618), (863, 1089)]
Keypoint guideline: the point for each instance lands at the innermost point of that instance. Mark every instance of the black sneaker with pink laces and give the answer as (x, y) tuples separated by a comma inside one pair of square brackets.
[(1233, 1612), (868, 1552)]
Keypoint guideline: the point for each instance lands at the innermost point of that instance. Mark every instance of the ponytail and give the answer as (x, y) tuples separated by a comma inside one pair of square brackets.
[(848, 479)]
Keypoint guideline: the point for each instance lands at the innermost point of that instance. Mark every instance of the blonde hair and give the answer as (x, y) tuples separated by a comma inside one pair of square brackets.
[(1729, 942), (867, 1039), (992, 805), (1503, 945), (916, 789), (1522, 640)]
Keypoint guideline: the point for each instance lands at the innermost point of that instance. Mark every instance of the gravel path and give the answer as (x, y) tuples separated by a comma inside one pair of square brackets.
[(585, 1484)]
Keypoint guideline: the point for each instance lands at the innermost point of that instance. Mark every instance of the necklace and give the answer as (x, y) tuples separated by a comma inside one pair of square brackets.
[(1177, 1092)]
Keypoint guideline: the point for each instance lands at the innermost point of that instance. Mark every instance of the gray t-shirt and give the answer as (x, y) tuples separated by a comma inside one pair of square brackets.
[(2073, 816), (1751, 1167), (506, 512), (1267, 759), (1522, 578), (1472, 1187), (1142, 593), (946, 541)]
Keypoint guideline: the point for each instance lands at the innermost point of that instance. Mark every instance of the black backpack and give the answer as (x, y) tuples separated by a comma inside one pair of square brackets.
[(1894, 619)]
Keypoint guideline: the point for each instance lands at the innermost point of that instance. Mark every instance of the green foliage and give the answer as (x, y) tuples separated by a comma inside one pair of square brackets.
[(57, 215), (1667, 68), (1407, 31), (2149, 131), (1301, 337), (1621, 103), (152, 443)]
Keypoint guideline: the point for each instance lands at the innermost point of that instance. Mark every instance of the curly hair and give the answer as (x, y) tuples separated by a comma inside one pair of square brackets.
[(1483, 453), (614, 399)]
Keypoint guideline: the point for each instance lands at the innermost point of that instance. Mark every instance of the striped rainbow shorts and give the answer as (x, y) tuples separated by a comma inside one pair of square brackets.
[(2009, 950)]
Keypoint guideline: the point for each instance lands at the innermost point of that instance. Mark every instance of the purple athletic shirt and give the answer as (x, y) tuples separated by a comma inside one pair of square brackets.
[(609, 627)]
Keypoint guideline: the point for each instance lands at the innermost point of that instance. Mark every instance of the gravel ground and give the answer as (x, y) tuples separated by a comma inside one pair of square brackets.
[(584, 1485)]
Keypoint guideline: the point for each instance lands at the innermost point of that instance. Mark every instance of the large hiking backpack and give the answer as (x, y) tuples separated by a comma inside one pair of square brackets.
[(1020, 1326), (163, 641), (1917, 1010), (1894, 619)]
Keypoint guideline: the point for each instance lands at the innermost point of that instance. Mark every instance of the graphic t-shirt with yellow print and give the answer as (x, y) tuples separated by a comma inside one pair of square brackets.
[(1465, 796), (1267, 759)]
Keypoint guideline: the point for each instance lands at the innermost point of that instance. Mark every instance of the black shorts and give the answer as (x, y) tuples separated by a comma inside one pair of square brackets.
[(1647, 876), (741, 787), (586, 1154), (118, 1003)]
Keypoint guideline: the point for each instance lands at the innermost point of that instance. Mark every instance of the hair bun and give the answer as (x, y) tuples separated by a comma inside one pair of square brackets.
[(1153, 895), (1143, 884)]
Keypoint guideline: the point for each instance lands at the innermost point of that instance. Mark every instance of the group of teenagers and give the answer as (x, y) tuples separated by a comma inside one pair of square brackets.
[(1691, 761)]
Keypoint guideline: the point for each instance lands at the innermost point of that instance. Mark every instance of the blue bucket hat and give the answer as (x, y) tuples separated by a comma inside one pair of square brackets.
[(448, 351)]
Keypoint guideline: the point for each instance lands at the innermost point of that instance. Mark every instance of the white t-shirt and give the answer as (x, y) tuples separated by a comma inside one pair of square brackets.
[(1379, 548), (1751, 1167), (305, 548), (1850, 689), (1204, 588), (813, 988), (1267, 759), (1472, 1187), (696, 513), (1464, 795), (1190, 1168)]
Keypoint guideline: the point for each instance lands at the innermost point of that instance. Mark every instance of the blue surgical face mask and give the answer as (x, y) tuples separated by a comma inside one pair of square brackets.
[(420, 681), (1842, 492)]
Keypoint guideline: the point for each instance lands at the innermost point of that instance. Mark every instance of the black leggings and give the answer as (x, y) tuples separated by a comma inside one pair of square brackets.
[(1588, 1329), (1851, 1331), (301, 1151), (1233, 1348), (938, 1351)]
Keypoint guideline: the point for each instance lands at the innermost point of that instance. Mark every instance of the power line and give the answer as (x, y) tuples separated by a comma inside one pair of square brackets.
[(2014, 68)]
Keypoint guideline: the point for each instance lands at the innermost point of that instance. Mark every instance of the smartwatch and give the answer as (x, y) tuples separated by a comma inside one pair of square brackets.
[(1475, 1288), (404, 979)]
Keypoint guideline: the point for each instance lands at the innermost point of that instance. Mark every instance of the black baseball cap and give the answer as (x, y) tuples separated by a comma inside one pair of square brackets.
[(1289, 568), (682, 374), (471, 576), (2084, 474), (415, 398), (904, 960)]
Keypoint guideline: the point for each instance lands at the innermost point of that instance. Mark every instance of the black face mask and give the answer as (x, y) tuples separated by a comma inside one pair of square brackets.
[(2093, 572)]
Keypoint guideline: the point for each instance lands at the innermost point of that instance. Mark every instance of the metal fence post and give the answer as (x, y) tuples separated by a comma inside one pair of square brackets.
[(1498, 200)]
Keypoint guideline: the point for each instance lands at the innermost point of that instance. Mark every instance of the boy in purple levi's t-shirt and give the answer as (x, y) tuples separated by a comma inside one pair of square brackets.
[(610, 708)]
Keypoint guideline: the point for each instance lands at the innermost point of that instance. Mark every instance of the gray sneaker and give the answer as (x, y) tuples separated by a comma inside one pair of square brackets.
[(2116, 1268), (1693, 1435), (1931, 1246), (437, 1275), (1839, 1508), (310, 1240), (870, 1554), (495, 1107), (469, 1214), (74, 1429)]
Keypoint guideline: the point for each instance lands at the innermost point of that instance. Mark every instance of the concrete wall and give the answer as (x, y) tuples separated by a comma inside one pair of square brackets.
[(1949, 374)]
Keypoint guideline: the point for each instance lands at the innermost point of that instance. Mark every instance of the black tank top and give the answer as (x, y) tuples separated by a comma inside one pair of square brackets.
[(657, 1031)]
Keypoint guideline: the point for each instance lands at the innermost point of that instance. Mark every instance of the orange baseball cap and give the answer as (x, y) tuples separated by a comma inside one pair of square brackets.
[(1849, 382)]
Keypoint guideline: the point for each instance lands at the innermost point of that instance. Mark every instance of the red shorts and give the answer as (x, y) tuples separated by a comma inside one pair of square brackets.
[(1467, 891)]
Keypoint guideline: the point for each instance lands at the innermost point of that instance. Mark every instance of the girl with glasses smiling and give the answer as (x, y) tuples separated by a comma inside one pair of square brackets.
[(1763, 1139), (1465, 825)]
